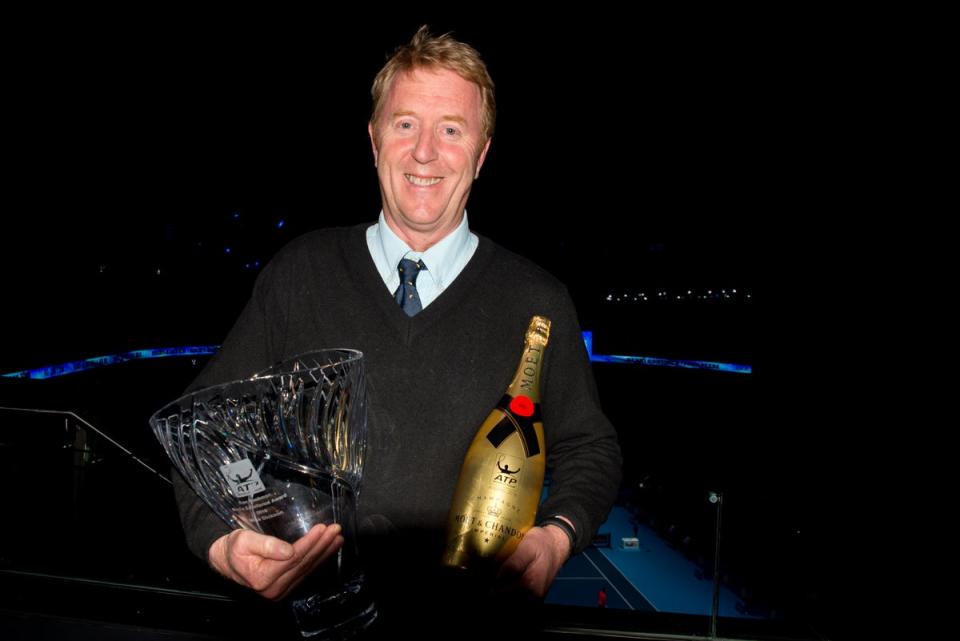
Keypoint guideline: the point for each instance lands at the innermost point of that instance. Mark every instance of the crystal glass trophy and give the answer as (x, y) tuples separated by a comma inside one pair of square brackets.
[(278, 453)]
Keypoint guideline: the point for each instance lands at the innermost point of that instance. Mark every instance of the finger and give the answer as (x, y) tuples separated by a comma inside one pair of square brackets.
[(517, 563), (327, 552), (309, 565), (293, 577), (510, 578), (323, 542), (308, 541), (261, 545), (259, 560), (321, 546)]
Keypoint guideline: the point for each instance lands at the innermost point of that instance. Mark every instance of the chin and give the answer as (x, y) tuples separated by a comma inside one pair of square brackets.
[(425, 217)]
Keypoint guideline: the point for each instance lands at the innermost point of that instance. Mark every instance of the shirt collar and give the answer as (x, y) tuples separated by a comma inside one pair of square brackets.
[(439, 259)]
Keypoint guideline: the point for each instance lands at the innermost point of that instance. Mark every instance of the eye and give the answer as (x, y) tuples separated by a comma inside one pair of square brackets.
[(405, 124), (451, 131)]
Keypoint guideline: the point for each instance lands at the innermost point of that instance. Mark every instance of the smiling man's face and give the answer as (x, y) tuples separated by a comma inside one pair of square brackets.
[(429, 147)]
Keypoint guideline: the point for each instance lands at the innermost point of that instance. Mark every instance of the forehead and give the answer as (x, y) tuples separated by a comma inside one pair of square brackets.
[(423, 90)]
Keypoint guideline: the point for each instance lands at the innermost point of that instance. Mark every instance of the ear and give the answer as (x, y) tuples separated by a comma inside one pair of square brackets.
[(373, 143), (483, 156)]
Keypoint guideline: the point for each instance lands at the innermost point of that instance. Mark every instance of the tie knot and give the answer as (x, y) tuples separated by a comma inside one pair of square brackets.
[(410, 269), (406, 294)]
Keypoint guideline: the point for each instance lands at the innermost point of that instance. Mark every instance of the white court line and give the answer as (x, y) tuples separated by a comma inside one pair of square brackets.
[(627, 579), (607, 579)]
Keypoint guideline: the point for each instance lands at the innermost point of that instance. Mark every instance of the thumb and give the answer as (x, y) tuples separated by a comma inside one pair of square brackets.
[(273, 548), (516, 563)]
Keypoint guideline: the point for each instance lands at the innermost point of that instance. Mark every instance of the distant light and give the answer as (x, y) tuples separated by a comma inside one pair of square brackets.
[(247, 266), (733, 368), (256, 263), (667, 295), (158, 271), (198, 350), (281, 224), (115, 359), (236, 215), (227, 250)]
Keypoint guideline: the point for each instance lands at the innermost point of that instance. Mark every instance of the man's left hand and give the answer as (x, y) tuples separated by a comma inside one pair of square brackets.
[(536, 561)]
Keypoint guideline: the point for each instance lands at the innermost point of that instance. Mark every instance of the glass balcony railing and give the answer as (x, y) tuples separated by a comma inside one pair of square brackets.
[(698, 545)]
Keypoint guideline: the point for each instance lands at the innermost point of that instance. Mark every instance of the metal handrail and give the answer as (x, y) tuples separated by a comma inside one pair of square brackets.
[(91, 427)]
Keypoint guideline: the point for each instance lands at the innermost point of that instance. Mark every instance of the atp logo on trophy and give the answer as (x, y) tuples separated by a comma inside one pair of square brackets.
[(243, 479)]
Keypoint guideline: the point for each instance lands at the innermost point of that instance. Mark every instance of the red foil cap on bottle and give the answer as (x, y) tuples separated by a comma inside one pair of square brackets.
[(521, 406)]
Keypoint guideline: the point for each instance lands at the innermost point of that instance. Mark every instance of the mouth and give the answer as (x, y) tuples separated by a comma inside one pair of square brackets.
[(421, 181)]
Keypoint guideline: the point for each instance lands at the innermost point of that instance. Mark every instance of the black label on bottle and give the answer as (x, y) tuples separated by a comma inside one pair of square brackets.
[(522, 425)]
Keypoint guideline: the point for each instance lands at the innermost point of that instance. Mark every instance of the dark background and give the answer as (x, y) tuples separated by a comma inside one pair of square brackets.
[(625, 155), (646, 155)]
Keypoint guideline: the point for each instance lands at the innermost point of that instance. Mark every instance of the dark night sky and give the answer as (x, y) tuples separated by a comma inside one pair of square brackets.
[(646, 146), (664, 128)]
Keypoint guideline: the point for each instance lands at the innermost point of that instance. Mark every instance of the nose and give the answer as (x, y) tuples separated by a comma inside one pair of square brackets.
[(426, 148)]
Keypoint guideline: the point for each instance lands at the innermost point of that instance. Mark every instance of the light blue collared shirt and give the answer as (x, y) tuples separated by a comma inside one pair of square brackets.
[(444, 261)]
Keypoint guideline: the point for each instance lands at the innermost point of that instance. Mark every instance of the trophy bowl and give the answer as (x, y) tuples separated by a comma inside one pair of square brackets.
[(278, 453)]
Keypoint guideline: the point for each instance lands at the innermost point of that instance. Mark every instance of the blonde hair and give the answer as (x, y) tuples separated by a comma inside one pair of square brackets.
[(426, 51)]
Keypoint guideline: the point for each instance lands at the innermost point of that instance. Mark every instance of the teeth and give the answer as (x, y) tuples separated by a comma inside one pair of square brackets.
[(422, 182)]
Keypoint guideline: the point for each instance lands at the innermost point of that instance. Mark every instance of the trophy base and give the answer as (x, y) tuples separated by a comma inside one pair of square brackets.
[(343, 630), (337, 616)]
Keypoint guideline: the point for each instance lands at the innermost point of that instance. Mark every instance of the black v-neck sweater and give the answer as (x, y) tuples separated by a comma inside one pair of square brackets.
[(323, 290)]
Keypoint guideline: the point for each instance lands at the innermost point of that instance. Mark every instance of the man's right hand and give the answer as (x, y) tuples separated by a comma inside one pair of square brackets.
[(269, 566)]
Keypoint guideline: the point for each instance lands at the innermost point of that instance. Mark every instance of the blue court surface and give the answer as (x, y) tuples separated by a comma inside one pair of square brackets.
[(652, 576)]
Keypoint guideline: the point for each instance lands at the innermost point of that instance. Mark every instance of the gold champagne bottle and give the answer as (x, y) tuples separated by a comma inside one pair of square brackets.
[(498, 491)]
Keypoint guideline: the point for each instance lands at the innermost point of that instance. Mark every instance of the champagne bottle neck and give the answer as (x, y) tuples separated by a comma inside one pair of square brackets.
[(526, 380)]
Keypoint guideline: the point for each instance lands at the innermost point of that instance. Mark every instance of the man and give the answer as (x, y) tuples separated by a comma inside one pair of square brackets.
[(440, 341)]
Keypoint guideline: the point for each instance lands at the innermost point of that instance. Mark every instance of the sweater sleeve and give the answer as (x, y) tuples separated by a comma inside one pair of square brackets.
[(582, 447), (250, 346)]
